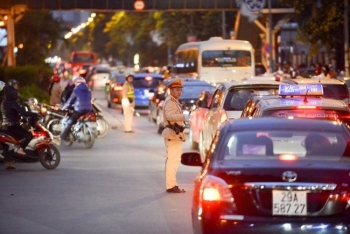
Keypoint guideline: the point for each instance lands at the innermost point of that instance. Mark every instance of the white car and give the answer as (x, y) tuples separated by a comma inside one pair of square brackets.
[(228, 102), (100, 77)]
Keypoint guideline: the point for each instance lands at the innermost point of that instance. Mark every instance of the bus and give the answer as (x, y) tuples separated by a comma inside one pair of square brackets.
[(216, 60), (83, 59)]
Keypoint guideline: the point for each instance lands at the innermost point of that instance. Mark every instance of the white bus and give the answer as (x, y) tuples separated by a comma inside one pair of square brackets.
[(215, 60)]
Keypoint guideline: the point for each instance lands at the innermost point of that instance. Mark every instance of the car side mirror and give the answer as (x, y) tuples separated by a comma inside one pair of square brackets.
[(191, 159)]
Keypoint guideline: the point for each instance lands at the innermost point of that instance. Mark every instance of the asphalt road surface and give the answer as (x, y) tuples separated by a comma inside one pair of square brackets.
[(117, 186)]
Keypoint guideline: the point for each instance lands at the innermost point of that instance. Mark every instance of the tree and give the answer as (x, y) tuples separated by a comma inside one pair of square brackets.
[(38, 32), (321, 23)]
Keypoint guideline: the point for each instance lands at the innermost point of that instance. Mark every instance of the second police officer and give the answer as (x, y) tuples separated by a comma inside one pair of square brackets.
[(128, 103)]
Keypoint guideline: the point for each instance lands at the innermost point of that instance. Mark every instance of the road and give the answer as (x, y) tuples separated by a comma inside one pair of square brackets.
[(117, 186)]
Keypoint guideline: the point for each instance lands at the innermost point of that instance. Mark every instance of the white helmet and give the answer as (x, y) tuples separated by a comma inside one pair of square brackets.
[(79, 80)]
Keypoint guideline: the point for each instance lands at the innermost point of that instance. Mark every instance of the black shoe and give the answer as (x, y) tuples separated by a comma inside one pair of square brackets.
[(128, 131), (175, 189)]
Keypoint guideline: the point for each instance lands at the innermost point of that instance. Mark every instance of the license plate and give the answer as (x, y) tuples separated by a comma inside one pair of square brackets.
[(289, 202)]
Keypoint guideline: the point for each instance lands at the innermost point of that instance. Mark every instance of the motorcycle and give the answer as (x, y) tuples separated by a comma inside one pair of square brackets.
[(102, 124), (84, 130), (40, 148)]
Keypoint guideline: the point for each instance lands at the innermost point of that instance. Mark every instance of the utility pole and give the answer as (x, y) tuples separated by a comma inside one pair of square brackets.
[(13, 15)]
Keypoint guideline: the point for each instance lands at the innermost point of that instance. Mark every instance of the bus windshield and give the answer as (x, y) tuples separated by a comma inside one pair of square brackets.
[(223, 58), (84, 58)]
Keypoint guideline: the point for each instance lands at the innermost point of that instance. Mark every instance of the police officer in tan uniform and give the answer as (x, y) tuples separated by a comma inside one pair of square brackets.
[(174, 122), (128, 103)]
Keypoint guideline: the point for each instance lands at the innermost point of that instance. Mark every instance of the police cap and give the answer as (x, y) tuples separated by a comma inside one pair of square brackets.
[(176, 83)]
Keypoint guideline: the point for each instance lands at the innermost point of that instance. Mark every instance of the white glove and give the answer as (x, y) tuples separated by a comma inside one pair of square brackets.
[(125, 102), (187, 117)]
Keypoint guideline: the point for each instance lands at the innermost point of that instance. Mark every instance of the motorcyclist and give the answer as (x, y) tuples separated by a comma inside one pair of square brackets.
[(11, 116), (81, 99)]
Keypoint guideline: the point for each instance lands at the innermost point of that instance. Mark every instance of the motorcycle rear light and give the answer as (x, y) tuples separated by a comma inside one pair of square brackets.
[(117, 88), (92, 117), (215, 189)]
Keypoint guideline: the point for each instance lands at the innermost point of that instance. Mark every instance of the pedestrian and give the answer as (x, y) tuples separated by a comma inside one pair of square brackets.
[(128, 103), (318, 69), (325, 72), (55, 90), (67, 91), (174, 122), (81, 100), (331, 72)]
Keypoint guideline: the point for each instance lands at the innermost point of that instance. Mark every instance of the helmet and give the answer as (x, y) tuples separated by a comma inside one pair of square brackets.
[(12, 82), (56, 78), (2, 85), (128, 75), (79, 80)]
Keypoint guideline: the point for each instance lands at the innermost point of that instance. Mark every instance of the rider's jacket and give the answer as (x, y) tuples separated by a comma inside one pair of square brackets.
[(81, 98), (11, 110)]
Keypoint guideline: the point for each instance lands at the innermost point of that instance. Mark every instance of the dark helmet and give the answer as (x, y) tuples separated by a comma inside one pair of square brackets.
[(129, 75), (12, 82), (55, 78)]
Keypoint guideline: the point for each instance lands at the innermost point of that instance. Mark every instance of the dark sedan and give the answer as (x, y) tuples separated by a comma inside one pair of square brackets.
[(274, 175)]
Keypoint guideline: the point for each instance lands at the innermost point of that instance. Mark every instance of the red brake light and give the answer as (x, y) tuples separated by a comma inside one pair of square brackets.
[(215, 189), (288, 157), (306, 107)]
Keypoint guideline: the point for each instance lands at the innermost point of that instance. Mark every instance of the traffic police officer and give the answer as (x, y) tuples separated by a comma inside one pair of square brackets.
[(174, 122), (128, 103)]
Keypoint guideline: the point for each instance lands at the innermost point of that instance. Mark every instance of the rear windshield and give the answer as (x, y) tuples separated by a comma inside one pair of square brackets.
[(309, 114), (236, 99), (274, 143), (146, 83), (339, 92)]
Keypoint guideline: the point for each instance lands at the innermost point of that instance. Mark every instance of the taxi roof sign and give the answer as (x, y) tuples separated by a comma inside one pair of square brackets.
[(300, 90)]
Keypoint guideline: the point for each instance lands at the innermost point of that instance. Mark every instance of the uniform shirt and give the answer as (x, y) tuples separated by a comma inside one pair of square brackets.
[(172, 112), (128, 91)]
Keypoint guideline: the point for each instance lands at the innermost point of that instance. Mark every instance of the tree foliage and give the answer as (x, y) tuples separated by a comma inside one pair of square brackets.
[(321, 23), (39, 33)]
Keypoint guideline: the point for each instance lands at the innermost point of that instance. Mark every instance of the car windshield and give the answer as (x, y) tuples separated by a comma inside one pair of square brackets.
[(236, 99), (146, 82), (284, 143), (193, 91)]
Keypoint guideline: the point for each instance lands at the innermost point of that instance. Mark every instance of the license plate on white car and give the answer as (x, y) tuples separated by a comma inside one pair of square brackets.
[(289, 202)]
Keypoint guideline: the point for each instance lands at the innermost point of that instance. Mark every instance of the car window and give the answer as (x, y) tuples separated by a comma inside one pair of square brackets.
[(273, 143), (145, 83), (237, 99), (339, 92), (102, 71), (193, 91)]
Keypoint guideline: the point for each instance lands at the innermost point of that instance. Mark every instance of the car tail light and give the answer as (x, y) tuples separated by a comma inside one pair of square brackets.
[(94, 77), (306, 107), (288, 157), (215, 189)]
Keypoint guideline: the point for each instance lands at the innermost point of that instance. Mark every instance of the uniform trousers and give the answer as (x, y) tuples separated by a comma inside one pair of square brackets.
[(173, 159), (128, 115)]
